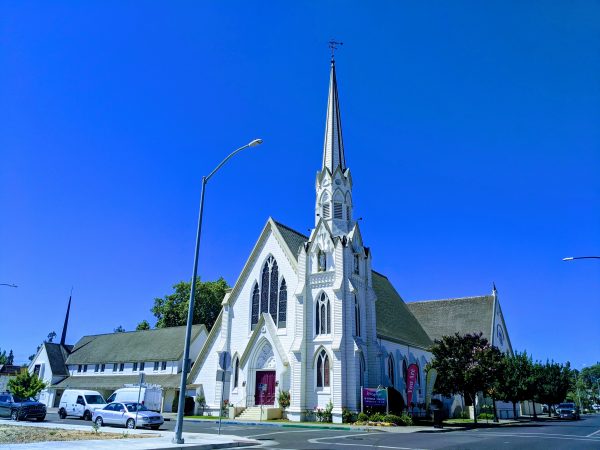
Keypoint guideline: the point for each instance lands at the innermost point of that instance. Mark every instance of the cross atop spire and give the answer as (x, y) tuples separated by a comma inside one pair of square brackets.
[(333, 147)]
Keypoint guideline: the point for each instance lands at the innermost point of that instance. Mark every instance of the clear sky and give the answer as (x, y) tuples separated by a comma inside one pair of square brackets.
[(471, 129)]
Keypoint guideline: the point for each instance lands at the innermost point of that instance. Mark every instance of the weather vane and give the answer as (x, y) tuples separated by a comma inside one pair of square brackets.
[(333, 45)]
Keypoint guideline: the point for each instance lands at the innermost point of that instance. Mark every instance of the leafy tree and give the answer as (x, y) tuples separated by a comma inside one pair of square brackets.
[(591, 380), (6, 359), (119, 329), (515, 386), (171, 310), (143, 325), (49, 338), (10, 359), (466, 364), (25, 385), (553, 382)]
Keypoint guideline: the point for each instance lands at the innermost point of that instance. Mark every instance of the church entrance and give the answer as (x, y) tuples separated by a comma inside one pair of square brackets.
[(265, 387)]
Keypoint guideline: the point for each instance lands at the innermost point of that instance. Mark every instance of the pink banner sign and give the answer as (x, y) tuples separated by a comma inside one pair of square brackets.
[(413, 371)]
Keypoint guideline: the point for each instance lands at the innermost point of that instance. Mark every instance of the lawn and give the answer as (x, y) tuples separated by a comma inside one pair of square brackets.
[(22, 435)]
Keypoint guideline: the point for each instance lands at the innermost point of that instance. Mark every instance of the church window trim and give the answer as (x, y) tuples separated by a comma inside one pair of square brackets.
[(362, 370), (322, 370), (322, 315), (271, 296)]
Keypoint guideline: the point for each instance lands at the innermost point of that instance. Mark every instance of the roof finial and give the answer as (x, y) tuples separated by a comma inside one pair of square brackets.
[(333, 45)]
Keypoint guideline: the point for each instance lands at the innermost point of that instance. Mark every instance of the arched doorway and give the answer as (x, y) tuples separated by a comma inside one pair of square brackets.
[(265, 376)]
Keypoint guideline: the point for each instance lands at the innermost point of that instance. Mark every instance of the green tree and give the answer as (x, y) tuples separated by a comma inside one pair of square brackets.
[(49, 338), (591, 380), (515, 386), (3, 357), (143, 325), (466, 364), (119, 329), (25, 385), (171, 310), (553, 382)]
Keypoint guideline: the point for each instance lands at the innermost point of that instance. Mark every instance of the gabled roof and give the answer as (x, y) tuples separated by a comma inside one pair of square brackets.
[(455, 315), (57, 355), (113, 382), (292, 238), (395, 322), (160, 344)]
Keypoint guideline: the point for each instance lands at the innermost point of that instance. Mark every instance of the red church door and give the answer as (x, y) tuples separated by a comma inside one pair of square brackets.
[(264, 393)]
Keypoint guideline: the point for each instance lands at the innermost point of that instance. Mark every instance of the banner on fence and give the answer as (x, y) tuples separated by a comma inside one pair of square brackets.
[(413, 371)]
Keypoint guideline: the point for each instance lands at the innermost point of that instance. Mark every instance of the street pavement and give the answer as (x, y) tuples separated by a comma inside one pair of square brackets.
[(543, 435)]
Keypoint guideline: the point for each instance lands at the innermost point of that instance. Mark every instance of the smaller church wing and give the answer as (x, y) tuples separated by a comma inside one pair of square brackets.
[(264, 320), (457, 315), (395, 322)]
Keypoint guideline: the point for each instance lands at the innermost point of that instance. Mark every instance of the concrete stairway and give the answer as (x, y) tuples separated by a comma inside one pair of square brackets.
[(251, 413)]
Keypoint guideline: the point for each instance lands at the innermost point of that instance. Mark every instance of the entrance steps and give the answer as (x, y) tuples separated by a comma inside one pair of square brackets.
[(256, 413)]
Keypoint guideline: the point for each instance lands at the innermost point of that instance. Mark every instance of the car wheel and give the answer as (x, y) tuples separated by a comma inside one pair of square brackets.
[(130, 424), (87, 415), (99, 421), (62, 414), (14, 415)]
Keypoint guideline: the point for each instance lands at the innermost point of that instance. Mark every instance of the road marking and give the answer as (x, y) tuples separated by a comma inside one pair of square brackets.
[(318, 441), (280, 432), (595, 432), (565, 437)]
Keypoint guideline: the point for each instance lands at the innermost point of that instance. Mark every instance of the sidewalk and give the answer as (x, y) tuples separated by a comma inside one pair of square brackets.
[(160, 439)]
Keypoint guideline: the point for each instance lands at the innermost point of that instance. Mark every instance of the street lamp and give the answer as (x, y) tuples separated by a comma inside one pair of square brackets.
[(178, 439), (9, 285), (571, 258)]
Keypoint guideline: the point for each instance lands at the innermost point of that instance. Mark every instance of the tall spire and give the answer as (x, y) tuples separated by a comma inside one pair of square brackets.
[(333, 147), (63, 337)]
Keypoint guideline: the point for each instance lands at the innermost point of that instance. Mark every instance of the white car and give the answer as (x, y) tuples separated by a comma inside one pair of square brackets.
[(124, 414)]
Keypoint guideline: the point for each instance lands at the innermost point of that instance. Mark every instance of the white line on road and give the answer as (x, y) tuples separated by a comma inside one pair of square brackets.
[(281, 432), (564, 437), (318, 441), (592, 434)]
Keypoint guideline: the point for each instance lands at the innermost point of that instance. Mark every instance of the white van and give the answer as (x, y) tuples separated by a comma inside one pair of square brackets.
[(150, 396), (80, 403)]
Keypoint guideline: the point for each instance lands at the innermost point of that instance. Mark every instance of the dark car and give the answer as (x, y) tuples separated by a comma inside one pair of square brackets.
[(568, 411), (21, 408)]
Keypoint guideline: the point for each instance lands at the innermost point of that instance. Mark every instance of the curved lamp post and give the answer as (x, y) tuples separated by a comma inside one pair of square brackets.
[(178, 439), (571, 258)]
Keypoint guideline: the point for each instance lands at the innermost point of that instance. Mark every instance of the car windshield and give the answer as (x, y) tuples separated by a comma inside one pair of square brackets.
[(133, 407), (566, 405), (18, 399), (94, 400)]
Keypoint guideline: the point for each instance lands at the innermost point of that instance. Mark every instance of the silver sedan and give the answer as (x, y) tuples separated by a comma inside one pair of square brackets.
[(125, 414)]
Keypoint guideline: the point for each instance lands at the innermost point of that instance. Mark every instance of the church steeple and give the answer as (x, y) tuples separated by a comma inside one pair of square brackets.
[(334, 182), (63, 336), (333, 146)]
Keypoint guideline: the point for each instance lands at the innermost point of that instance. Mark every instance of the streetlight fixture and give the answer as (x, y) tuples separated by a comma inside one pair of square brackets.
[(571, 258), (178, 439), (9, 285)]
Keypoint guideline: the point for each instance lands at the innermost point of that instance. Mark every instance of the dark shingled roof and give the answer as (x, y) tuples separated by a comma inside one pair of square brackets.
[(114, 382), (57, 355), (455, 315), (394, 319), (292, 238), (160, 344)]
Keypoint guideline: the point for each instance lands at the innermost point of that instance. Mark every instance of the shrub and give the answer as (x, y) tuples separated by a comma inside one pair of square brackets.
[(392, 418), (405, 420), (377, 417), (347, 416), (362, 417), (284, 399), (325, 415), (485, 416), (25, 385)]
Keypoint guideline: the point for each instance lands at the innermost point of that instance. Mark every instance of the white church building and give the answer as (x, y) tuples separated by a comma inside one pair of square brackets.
[(309, 315)]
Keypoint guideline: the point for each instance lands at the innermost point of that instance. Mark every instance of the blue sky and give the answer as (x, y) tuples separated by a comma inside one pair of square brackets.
[(471, 130)]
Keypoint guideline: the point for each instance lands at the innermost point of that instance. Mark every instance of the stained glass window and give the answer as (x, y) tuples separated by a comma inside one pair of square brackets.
[(356, 316), (273, 291), (391, 376), (322, 370), (264, 294), (255, 304), (323, 315)]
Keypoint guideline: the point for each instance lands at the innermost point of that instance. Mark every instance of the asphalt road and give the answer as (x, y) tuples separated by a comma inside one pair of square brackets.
[(543, 435)]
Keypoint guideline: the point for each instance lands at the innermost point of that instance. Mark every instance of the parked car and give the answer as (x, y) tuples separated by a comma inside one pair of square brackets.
[(21, 408), (568, 411), (124, 414), (596, 407), (80, 403), (149, 396)]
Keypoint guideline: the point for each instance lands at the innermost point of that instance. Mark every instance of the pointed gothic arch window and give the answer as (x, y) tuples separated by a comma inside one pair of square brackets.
[(363, 368), (323, 315), (269, 295), (404, 370), (255, 304), (282, 304), (236, 372), (391, 376), (356, 317), (323, 370)]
